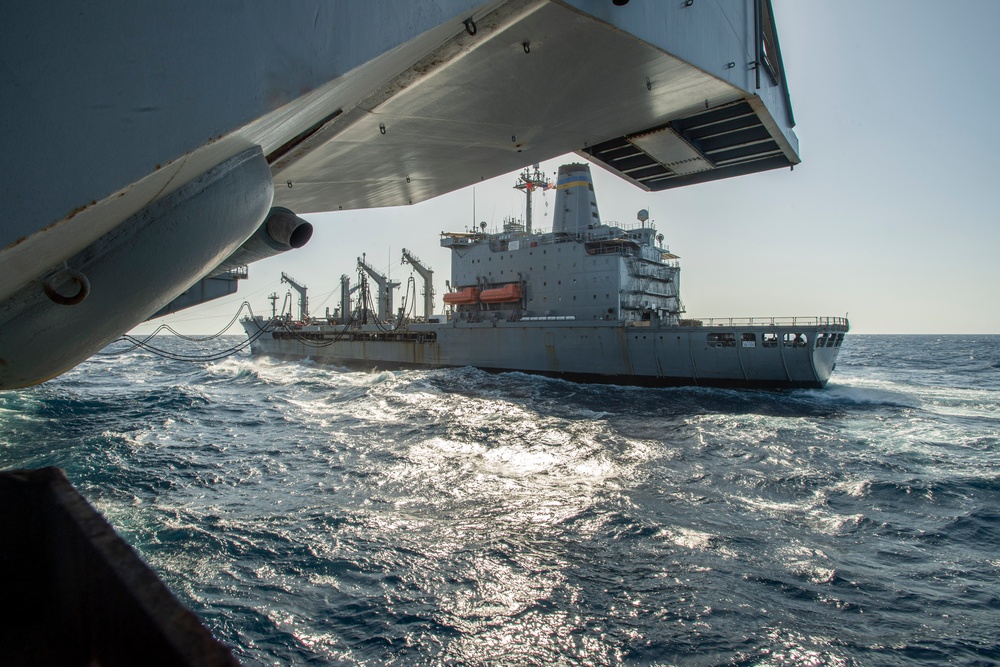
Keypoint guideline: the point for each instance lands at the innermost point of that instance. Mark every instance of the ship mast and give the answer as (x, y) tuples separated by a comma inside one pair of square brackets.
[(527, 182), (274, 305)]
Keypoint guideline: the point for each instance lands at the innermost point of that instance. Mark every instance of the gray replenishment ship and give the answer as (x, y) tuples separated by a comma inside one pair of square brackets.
[(588, 301)]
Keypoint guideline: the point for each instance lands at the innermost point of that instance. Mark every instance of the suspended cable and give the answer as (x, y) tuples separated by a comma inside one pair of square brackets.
[(144, 344)]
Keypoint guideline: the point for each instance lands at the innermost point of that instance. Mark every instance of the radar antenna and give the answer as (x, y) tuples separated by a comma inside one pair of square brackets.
[(527, 182)]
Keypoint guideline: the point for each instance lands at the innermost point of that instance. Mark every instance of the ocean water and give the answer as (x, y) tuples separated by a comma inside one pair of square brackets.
[(314, 516)]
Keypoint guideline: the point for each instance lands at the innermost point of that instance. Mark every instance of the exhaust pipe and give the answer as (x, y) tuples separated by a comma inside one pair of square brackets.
[(281, 231)]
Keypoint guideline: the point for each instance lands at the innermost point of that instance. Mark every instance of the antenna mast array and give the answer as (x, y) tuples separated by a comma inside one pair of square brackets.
[(527, 182)]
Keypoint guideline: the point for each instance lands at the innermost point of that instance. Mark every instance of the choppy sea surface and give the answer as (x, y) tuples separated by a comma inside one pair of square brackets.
[(311, 515)]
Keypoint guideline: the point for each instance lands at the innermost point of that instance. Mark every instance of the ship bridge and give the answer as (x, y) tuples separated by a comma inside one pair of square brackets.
[(147, 146)]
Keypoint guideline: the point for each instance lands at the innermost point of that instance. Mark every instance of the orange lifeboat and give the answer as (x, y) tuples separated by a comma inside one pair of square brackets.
[(505, 294), (463, 297)]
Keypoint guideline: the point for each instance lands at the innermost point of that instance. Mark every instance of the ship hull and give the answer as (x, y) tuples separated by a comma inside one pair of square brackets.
[(773, 357)]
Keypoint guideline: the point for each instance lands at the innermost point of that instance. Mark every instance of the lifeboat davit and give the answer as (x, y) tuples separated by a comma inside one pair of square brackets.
[(504, 294), (463, 297)]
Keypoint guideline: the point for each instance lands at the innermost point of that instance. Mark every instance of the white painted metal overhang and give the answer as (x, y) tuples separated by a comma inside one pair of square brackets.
[(536, 80)]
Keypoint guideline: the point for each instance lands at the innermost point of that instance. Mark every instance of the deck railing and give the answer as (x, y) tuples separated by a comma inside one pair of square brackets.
[(767, 321)]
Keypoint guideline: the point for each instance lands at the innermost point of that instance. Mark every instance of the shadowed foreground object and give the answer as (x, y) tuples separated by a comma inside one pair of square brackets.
[(76, 594)]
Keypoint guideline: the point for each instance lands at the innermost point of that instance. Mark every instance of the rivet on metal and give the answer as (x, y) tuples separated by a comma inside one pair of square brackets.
[(288, 183), (381, 128)]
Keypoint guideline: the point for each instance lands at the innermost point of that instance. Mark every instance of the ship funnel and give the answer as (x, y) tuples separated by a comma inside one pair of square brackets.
[(576, 203)]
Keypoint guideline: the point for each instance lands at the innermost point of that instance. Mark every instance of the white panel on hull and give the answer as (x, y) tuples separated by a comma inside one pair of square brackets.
[(672, 151)]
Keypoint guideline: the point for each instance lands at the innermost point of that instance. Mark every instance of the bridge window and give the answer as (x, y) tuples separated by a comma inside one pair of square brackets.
[(821, 340), (769, 54), (721, 340), (749, 340), (769, 340), (795, 340)]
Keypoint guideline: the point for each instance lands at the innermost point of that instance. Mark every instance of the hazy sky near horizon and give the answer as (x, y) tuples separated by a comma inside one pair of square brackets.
[(893, 217)]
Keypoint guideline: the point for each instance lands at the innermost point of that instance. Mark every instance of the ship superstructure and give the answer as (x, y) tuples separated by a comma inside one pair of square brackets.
[(583, 269), (588, 300)]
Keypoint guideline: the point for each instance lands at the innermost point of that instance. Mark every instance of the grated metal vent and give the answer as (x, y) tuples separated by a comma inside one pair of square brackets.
[(717, 143)]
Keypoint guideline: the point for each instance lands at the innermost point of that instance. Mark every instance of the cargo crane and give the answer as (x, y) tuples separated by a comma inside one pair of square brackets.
[(385, 287), (303, 299), (345, 297), (428, 277)]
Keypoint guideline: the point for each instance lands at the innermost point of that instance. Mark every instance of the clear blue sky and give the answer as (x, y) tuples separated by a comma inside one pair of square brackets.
[(893, 215)]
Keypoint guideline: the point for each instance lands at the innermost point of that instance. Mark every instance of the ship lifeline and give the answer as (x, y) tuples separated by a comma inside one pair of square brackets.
[(588, 301)]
